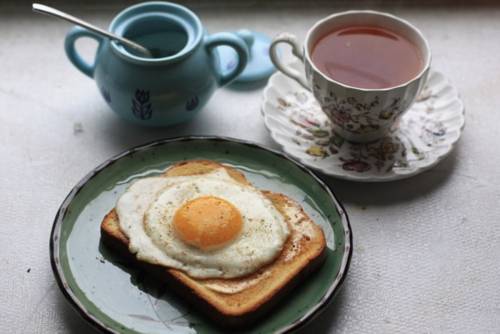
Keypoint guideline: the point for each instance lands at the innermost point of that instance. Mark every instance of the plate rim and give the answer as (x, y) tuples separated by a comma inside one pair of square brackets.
[(353, 177), (313, 311)]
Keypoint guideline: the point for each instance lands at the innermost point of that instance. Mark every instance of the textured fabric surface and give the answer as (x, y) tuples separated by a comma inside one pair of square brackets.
[(427, 249)]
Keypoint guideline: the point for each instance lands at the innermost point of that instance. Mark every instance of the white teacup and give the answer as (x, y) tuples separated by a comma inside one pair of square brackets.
[(357, 114)]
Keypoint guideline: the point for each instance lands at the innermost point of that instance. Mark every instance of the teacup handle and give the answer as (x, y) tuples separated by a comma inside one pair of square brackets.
[(233, 41), (297, 52), (74, 56)]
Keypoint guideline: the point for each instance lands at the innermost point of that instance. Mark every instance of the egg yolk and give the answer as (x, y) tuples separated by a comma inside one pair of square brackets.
[(207, 222)]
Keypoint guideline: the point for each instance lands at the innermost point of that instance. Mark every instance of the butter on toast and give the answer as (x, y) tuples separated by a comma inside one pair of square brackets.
[(237, 301)]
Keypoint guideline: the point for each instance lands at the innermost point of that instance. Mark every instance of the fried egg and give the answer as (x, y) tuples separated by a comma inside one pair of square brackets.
[(205, 225)]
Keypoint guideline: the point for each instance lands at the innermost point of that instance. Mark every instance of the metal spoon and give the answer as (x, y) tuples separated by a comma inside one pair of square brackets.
[(62, 15)]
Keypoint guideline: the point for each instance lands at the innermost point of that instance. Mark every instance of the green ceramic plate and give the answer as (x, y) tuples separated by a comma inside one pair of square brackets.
[(119, 299)]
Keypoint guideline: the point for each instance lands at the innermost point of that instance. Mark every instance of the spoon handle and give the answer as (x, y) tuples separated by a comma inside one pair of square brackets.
[(65, 16)]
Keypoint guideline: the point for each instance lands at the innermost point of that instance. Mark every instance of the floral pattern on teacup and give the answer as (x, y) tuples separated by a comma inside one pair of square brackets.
[(360, 117)]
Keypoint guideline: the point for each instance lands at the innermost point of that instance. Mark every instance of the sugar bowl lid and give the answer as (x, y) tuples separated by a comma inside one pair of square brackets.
[(259, 66)]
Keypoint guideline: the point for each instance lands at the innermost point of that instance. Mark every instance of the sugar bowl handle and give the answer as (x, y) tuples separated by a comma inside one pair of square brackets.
[(235, 42), (296, 51), (74, 56)]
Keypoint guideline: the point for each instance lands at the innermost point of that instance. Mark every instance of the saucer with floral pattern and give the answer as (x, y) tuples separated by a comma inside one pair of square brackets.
[(423, 136)]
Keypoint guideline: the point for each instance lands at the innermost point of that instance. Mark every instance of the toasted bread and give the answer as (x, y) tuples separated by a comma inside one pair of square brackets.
[(238, 301)]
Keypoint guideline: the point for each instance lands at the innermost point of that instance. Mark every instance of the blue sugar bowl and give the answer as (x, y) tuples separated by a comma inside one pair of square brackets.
[(177, 82)]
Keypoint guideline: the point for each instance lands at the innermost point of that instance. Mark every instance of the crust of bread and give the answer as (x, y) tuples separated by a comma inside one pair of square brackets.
[(301, 255)]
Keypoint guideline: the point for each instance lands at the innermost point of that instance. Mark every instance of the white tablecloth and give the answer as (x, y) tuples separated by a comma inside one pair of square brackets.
[(427, 249)]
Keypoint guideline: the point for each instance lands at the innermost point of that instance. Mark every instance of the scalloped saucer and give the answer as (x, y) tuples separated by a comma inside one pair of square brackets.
[(425, 134)]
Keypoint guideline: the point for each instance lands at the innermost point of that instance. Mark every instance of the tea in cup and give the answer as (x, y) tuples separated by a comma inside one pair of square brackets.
[(364, 68)]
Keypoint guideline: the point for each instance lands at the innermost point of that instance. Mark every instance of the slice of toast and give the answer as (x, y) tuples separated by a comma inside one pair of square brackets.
[(238, 301)]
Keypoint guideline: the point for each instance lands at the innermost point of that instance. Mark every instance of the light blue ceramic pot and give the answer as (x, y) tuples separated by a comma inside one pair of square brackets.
[(167, 89)]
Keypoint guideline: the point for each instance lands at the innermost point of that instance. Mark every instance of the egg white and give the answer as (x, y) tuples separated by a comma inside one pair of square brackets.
[(146, 213)]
